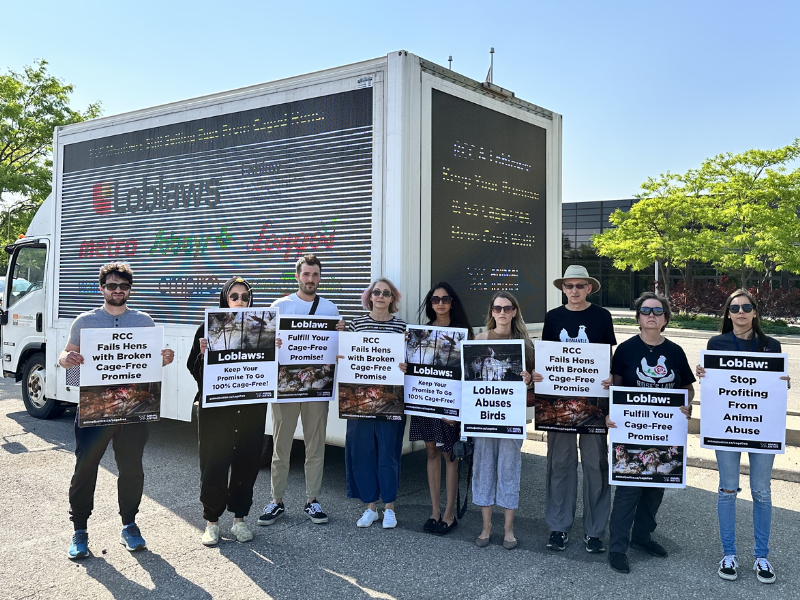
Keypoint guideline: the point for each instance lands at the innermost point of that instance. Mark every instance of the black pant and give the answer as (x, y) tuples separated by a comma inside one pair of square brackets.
[(231, 439), (633, 516), (90, 445)]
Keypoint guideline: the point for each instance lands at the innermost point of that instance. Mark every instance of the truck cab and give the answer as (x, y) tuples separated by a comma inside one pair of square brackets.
[(22, 319)]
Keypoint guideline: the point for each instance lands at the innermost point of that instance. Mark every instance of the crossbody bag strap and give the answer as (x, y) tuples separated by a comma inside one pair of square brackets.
[(314, 305)]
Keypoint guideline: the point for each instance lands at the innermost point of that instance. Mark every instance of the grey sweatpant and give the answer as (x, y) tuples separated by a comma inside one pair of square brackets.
[(561, 495), (496, 467)]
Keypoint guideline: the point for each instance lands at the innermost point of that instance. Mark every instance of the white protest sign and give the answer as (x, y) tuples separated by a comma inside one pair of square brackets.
[(647, 448), (307, 358), (370, 380), (744, 401), (493, 395), (240, 365), (433, 374), (571, 369), (120, 375)]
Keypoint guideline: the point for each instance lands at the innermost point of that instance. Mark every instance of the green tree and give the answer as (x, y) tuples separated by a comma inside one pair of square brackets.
[(750, 203), (662, 226), (32, 104)]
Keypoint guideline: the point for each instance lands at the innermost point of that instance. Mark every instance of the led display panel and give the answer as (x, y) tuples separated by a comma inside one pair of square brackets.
[(190, 205), (488, 196)]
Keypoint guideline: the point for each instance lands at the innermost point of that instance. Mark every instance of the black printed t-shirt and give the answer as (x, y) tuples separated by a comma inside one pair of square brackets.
[(592, 325), (665, 367)]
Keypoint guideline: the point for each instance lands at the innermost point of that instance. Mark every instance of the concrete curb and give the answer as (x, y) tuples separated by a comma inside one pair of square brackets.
[(793, 340), (711, 464)]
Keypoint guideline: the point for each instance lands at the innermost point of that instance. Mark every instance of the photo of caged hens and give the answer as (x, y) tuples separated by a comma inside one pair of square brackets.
[(492, 363), (378, 401), (306, 381), (241, 330), (116, 402), (570, 412), (637, 460), (434, 348)]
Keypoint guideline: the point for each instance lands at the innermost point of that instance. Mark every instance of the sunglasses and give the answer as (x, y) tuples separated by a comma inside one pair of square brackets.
[(443, 299), (646, 310), (112, 287), (499, 309), (577, 286), (235, 297), (734, 308), (384, 293)]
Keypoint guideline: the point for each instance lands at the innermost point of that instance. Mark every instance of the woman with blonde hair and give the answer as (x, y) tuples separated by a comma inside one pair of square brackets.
[(373, 447), (497, 462)]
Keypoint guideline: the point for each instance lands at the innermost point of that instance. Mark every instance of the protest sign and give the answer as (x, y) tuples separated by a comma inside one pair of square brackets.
[(120, 375), (493, 395), (571, 369), (433, 375), (744, 401), (647, 448), (571, 398), (240, 365), (370, 380), (307, 358)]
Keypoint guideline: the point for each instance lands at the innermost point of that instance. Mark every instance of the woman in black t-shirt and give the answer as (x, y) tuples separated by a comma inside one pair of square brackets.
[(648, 360)]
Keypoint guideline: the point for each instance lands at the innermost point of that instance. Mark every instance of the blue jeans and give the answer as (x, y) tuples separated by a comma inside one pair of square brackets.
[(760, 476)]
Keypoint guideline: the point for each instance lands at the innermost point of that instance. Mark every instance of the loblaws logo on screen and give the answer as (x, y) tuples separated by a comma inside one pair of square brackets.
[(161, 196), (103, 198)]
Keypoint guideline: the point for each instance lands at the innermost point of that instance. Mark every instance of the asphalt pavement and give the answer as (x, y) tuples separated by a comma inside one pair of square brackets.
[(295, 559)]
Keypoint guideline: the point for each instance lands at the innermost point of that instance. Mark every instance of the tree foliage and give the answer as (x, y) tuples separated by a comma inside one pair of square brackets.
[(32, 104), (738, 212)]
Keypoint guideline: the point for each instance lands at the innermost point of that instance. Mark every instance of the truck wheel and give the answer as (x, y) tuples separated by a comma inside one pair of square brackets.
[(33, 380), (266, 451)]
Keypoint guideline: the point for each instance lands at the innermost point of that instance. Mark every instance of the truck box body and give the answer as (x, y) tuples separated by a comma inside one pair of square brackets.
[(393, 166)]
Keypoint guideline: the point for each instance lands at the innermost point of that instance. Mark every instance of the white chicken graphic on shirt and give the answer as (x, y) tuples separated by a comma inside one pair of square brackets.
[(659, 372), (581, 338)]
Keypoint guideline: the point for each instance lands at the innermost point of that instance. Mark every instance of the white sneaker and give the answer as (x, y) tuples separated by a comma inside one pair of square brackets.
[(241, 532), (211, 535), (389, 519), (368, 518)]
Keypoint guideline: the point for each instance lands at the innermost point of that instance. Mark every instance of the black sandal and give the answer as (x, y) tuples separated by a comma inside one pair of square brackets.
[(443, 528), (430, 525)]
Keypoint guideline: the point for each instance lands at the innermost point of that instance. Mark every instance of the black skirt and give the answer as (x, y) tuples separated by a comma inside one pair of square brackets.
[(434, 430)]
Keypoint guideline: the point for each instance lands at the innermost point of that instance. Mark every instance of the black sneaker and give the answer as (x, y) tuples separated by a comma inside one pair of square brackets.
[(315, 513), (558, 540), (272, 512), (593, 544), (764, 571), (619, 562), (727, 567)]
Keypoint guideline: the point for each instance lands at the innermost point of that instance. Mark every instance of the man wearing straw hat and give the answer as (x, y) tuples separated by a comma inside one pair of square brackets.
[(578, 321)]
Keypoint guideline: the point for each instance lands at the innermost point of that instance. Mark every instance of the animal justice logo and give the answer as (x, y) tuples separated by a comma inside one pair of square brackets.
[(581, 338), (657, 375)]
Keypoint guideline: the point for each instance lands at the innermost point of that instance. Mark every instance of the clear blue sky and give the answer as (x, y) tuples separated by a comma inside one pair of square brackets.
[(644, 87)]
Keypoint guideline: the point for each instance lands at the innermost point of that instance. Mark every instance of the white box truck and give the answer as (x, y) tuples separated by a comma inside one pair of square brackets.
[(394, 166)]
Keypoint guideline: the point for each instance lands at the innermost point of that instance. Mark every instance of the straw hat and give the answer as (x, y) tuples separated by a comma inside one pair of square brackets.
[(577, 272)]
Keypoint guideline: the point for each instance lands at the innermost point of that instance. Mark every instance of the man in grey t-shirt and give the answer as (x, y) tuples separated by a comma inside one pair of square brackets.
[(129, 440), (314, 414)]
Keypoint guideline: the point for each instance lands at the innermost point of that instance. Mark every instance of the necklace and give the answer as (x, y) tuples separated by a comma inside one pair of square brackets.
[(649, 347)]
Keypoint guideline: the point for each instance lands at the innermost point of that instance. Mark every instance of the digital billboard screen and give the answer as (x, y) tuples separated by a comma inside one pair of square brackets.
[(488, 198), (191, 204)]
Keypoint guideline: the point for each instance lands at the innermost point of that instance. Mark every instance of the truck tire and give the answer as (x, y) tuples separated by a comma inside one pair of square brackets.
[(266, 451), (33, 386)]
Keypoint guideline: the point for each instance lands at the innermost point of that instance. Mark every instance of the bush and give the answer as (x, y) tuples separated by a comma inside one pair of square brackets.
[(779, 305)]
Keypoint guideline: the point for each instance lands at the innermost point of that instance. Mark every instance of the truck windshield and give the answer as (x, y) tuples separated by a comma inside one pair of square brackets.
[(28, 273)]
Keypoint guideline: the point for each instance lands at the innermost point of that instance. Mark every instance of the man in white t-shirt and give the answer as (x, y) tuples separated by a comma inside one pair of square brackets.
[(314, 415)]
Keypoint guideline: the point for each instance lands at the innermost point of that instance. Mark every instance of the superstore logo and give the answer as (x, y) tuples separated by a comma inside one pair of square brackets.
[(161, 196)]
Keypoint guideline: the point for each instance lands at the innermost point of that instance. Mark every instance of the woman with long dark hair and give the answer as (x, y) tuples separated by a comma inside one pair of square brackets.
[(740, 331), (441, 308), (497, 462), (230, 439)]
